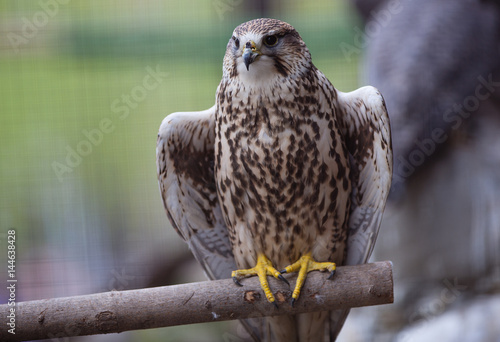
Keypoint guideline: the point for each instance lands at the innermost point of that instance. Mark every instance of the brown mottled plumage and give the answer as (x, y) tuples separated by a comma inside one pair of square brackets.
[(283, 165)]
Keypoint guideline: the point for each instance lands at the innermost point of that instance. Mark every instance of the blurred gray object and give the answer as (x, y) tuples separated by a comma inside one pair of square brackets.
[(437, 63)]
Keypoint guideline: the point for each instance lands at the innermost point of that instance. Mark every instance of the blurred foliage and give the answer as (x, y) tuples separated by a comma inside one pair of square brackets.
[(106, 211)]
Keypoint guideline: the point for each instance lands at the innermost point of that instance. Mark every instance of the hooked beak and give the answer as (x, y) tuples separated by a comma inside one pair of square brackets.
[(250, 53)]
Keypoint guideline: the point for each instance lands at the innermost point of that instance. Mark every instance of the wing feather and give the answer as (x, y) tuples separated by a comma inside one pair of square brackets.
[(367, 132), (185, 166), (368, 135)]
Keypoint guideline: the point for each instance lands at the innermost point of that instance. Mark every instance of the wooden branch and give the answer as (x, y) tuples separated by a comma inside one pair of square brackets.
[(117, 311)]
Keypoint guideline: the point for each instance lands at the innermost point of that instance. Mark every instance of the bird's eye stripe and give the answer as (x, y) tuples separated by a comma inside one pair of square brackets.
[(236, 42)]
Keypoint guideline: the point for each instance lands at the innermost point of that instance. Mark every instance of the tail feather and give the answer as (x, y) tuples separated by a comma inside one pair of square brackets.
[(309, 327)]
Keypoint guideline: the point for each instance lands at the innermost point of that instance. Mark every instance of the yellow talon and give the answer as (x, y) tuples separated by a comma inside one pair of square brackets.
[(305, 265), (263, 268)]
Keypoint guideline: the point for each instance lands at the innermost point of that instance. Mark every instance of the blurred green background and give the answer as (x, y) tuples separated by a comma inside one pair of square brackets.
[(78, 126)]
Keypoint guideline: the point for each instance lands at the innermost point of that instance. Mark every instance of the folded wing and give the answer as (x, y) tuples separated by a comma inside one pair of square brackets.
[(368, 134), (366, 129), (185, 166)]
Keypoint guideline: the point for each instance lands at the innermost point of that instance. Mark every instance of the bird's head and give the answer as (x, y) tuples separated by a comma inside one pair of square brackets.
[(264, 49)]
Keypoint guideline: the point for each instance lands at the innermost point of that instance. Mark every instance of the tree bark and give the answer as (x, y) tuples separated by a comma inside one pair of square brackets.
[(117, 311)]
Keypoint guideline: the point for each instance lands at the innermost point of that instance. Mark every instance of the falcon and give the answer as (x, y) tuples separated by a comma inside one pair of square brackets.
[(283, 174)]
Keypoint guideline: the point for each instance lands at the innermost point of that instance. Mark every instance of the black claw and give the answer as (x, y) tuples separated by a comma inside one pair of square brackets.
[(283, 271), (331, 275), (292, 302), (275, 304), (237, 282), (283, 278)]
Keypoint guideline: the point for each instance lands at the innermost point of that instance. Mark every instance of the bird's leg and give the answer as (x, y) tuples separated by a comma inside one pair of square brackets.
[(305, 265), (263, 268)]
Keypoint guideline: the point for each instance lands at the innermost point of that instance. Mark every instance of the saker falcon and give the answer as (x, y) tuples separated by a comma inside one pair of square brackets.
[(283, 174)]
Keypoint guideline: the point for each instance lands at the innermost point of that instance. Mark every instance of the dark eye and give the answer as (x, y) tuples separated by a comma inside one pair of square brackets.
[(236, 42), (271, 40)]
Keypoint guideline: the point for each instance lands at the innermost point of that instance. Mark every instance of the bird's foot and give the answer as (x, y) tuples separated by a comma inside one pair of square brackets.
[(305, 265), (263, 268)]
